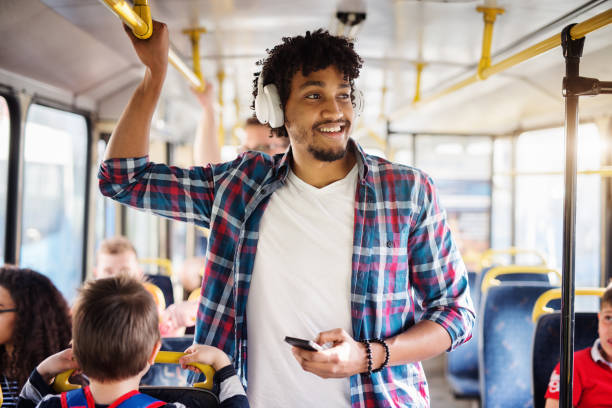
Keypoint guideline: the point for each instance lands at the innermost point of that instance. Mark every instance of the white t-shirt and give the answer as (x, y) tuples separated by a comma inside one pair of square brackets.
[(301, 286)]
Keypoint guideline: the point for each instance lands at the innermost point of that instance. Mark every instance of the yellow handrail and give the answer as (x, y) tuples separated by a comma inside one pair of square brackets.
[(61, 383), (539, 308), (490, 253), (139, 20), (172, 357), (578, 31), (163, 263), (491, 275)]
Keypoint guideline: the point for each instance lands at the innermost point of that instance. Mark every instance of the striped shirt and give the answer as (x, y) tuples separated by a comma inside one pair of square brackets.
[(404, 257), (10, 392)]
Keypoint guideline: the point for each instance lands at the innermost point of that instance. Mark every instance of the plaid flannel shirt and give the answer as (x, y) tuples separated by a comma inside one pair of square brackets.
[(405, 261)]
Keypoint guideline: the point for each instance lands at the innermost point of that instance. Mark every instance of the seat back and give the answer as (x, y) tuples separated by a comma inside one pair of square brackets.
[(547, 347), (504, 343), (165, 284), (462, 363), (190, 397), (168, 374)]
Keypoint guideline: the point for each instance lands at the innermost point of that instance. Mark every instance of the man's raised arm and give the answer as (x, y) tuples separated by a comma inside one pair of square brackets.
[(131, 135)]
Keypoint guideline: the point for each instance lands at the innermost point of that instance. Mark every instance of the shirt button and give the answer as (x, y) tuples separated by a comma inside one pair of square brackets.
[(264, 191), (389, 244)]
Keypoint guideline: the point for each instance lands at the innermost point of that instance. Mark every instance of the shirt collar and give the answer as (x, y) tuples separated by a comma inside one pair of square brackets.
[(282, 166), (596, 354)]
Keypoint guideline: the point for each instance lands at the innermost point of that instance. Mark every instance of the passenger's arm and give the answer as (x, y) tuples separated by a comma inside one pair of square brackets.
[(347, 357), (206, 142), (551, 403), (231, 392), (436, 270), (131, 136)]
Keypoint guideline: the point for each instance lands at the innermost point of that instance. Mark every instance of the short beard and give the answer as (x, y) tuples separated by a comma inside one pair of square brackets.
[(328, 155)]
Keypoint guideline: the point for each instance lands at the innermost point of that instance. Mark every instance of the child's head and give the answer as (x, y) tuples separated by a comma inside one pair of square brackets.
[(115, 328), (34, 324), (605, 322)]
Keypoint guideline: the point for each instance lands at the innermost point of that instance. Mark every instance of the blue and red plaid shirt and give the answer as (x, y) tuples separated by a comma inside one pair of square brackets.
[(405, 261)]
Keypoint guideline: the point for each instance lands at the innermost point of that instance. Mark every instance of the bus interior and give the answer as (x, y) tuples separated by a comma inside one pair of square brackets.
[(442, 92)]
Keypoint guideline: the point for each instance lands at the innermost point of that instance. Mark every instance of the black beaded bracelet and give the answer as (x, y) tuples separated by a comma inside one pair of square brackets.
[(384, 344), (369, 354)]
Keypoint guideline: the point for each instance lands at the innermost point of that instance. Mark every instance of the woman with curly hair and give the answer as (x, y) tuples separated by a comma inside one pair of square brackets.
[(34, 324)]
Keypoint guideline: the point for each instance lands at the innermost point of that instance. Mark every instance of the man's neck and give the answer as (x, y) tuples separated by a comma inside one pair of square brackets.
[(320, 173), (105, 393)]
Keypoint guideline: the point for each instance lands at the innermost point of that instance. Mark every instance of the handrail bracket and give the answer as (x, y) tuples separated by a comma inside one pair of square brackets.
[(489, 16)]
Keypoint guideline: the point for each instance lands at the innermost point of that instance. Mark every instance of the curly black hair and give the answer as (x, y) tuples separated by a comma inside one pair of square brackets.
[(43, 326), (312, 52)]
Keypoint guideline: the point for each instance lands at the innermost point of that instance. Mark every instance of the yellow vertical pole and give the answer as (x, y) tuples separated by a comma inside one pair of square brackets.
[(417, 91), (221, 132), (489, 16), (194, 36), (235, 140)]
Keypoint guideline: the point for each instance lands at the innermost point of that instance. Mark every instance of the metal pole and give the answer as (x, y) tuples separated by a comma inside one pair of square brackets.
[(572, 51)]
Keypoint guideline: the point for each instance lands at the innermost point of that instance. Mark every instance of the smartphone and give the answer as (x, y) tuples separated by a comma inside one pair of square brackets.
[(303, 344)]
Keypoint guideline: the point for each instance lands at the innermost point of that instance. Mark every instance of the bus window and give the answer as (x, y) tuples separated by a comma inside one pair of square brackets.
[(104, 207), (4, 146), (461, 169), (539, 199), (143, 228), (53, 205), (501, 209)]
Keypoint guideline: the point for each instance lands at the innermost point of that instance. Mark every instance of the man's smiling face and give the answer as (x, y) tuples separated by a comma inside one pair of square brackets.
[(318, 114)]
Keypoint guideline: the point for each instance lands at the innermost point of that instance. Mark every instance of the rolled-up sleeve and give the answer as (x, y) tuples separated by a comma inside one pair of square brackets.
[(438, 274), (173, 192)]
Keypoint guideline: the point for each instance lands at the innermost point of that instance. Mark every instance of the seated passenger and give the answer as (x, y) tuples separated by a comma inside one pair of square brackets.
[(115, 340), (34, 323), (592, 366), (117, 256)]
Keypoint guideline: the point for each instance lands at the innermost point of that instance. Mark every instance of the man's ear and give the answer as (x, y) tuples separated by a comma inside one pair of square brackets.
[(156, 348), (95, 272)]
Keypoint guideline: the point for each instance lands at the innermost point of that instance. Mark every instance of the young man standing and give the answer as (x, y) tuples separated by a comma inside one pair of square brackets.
[(324, 242)]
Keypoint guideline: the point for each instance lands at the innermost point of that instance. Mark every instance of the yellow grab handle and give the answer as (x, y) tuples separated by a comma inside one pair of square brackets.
[(157, 294), (490, 278), (490, 253), (61, 384), (163, 263), (539, 308), (172, 357), (137, 18)]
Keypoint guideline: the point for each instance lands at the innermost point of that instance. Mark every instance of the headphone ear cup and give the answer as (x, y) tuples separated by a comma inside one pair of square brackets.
[(275, 115), (261, 108), (357, 102)]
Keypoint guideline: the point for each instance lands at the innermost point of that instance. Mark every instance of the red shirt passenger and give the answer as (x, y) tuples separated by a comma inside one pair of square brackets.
[(592, 367)]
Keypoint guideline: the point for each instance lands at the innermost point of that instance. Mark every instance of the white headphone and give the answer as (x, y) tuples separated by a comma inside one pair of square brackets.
[(268, 108)]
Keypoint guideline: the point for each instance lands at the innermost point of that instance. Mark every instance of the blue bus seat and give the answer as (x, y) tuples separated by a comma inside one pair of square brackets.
[(547, 347), (168, 374), (505, 343), (165, 284), (462, 363), (188, 396)]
